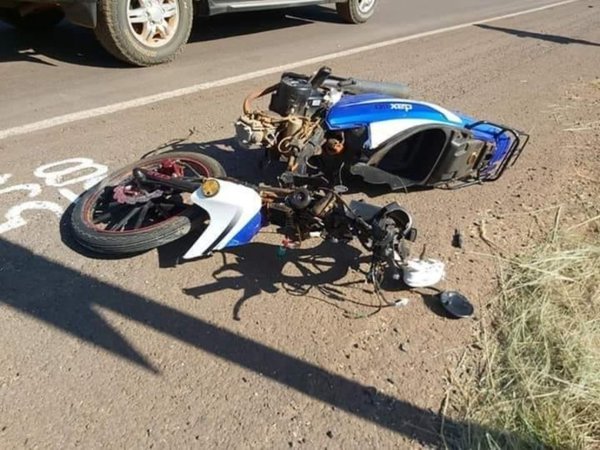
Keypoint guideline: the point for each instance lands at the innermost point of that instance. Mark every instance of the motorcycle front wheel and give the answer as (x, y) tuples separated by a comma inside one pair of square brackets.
[(117, 217)]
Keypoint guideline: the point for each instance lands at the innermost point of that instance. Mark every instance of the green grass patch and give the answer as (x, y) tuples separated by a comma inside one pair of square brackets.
[(538, 382)]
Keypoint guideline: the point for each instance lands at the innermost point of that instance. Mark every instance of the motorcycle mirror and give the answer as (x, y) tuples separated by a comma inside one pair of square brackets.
[(411, 235), (320, 76), (456, 304)]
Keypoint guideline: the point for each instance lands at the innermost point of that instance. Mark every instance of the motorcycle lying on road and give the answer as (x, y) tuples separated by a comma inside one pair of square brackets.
[(163, 197), (326, 129)]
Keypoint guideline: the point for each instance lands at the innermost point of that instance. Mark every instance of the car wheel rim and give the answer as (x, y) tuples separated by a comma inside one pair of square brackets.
[(153, 22), (365, 6)]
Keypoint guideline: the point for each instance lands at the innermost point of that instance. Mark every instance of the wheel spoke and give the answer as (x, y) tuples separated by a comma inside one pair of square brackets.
[(149, 31), (137, 15), (187, 166), (166, 207), (142, 215), (173, 201), (163, 29), (365, 5), (107, 212), (102, 217), (125, 219), (170, 9), (158, 207)]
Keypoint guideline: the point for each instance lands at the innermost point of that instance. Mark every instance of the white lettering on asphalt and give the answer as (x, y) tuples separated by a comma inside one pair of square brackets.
[(15, 220), (82, 171), (143, 101), (33, 188), (4, 178), (57, 178)]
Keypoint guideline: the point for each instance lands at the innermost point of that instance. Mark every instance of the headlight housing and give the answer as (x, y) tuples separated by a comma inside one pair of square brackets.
[(210, 187)]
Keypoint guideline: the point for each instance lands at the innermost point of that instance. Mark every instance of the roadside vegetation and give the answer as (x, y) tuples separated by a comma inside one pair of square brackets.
[(537, 383)]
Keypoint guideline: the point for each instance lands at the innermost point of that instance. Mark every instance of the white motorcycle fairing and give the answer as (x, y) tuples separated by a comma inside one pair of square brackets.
[(235, 218)]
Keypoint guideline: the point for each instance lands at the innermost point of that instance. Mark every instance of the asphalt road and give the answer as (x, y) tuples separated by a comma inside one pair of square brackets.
[(247, 349), (66, 70)]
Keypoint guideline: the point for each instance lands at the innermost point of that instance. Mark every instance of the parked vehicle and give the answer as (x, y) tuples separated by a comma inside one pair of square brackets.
[(147, 32)]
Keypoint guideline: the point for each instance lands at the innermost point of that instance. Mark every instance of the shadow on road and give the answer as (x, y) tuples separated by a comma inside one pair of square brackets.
[(65, 43), (319, 267), (75, 45), (240, 24), (242, 163), (67, 299), (541, 36)]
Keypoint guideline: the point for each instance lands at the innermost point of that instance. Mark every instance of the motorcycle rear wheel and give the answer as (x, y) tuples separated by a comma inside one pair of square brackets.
[(104, 224)]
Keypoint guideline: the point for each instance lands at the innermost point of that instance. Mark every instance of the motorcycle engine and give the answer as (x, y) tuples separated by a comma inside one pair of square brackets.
[(251, 132), (295, 99), (295, 96)]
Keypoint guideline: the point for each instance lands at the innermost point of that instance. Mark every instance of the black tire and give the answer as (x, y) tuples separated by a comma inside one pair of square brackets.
[(351, 12), (136, 241), (35, 21), (113, 32)]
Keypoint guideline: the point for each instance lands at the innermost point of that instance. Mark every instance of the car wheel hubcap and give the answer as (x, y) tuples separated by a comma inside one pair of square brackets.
[(153, 22), (365, 6)]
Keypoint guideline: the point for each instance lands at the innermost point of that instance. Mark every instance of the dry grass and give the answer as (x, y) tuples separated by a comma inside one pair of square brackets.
[(538, 384)]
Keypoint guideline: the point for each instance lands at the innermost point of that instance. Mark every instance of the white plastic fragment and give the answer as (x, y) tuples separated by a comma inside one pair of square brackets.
[(423, 272), (402, 303)]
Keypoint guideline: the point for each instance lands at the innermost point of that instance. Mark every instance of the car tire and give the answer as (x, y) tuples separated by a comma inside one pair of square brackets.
[(124, 26), (356, 11), (35, 21)]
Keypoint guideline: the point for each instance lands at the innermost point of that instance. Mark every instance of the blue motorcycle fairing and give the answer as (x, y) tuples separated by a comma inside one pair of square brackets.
[(354, 111), (504, 140), (376, 111), (246, 234)]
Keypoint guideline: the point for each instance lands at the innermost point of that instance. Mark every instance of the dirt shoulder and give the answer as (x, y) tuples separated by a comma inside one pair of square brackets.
[(128, 353)]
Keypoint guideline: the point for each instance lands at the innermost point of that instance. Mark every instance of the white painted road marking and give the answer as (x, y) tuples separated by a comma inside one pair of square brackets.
[(82, 170), (142, 101)]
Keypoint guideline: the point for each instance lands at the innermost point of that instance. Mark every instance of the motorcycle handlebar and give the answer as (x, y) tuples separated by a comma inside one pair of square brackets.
[(355, 86), (319, 77), (324, 79)]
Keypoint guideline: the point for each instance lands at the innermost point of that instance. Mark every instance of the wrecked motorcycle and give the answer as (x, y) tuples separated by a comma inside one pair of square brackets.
[(326, 128), (163, 197), (333, 128)]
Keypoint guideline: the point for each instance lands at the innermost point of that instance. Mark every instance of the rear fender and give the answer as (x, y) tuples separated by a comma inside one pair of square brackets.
[(235, 218)]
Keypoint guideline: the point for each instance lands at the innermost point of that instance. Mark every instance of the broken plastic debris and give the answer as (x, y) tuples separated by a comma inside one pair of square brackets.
[(423, 272), (402, 302), (456, 304)]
